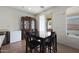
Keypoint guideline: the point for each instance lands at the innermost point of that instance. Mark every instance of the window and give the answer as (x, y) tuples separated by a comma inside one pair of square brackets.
[(42, 25), (73, 22), (73, 25)]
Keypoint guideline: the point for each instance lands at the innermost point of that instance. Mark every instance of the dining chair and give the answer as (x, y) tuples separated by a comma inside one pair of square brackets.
[(51, 42), (54, 42), (34, 44), (31, 41)]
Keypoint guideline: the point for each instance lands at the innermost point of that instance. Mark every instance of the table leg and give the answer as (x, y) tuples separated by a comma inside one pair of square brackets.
[(43, 46)]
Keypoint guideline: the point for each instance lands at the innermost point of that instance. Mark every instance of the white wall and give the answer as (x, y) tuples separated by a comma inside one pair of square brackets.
[(59, 25), (10, 18), (15, 36)]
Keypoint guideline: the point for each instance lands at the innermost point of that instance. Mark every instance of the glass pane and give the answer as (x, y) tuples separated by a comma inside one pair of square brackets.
[(32, 24), (26, 24)]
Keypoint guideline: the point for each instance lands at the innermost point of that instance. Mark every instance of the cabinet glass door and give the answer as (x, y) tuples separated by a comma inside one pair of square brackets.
[(26, 24), (33, 24)]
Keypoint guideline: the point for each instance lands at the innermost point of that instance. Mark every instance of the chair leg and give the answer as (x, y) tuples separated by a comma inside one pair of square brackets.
[(30, 50), (26, 49), (53, 45), (50, 48), (0, 50), (55, 48), (40, 49)]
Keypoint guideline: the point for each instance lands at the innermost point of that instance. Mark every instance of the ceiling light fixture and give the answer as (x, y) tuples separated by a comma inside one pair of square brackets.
[(26, 8), (29, 8), (41, 6)]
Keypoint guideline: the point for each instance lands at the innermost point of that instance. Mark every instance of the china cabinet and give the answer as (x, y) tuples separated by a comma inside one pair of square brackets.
[(27, 24)]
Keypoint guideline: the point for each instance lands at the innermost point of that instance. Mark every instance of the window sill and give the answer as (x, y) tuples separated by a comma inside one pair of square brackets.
[(74, 36)]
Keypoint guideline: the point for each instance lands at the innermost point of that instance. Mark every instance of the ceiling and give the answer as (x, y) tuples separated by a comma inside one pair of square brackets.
[(72, 11), (32, 9)]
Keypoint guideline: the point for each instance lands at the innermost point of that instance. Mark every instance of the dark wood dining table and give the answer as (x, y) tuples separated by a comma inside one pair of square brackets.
[(42, 48)]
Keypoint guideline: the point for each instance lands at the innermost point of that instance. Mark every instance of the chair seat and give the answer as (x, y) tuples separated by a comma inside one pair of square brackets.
[(33, 44)]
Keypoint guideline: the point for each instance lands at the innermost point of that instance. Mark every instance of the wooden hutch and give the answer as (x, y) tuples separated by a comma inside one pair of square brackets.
[(27, 24)]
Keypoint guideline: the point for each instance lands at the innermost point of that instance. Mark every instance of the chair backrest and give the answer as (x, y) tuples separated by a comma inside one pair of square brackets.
[(53, 34), (51, 38), (1, 39)]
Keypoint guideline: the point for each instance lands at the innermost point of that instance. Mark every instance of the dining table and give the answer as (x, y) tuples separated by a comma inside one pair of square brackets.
[(43, 38)]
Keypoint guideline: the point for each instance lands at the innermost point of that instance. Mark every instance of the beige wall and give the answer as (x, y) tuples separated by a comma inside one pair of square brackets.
[(10, 18)]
